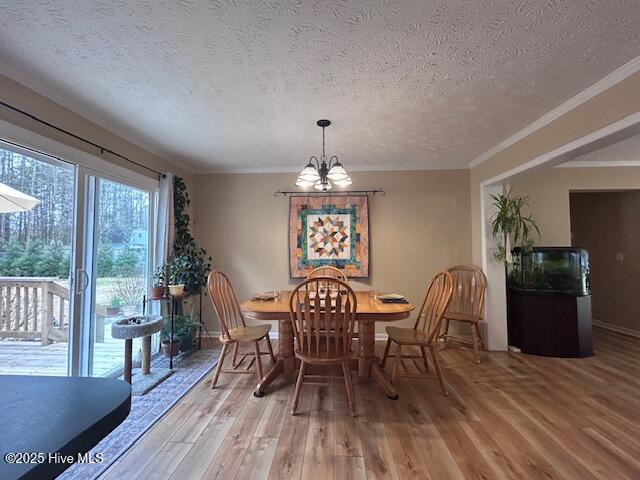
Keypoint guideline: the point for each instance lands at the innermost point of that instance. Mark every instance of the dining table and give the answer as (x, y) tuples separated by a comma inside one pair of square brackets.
[(370, 309)]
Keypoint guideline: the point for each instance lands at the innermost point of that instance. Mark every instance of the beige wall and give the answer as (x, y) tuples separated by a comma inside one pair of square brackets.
[(612, 105), (548, 191), (421, 226), (607, 225), (615, 104), (18, 95)]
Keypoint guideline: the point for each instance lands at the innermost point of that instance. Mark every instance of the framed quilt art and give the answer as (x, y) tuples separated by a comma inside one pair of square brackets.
[(329, 230)]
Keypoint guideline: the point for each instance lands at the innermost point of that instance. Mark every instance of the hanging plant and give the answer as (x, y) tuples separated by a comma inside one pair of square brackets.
[(510, 227), (190, 263)]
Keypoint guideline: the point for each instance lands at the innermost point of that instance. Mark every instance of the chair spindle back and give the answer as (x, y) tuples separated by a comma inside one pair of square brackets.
[(322, 332), (224, 302), (434, 305), (328, 271), (469, 286)]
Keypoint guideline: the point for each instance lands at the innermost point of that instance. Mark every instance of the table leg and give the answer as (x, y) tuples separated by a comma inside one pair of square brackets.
[(285, 364), (367, 360), (366, 348), (384, 381), (145, 367), (276, 370), (128, 357), (285, 347)]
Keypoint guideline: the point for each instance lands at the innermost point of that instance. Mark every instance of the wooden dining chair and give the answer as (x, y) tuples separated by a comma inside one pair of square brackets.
[(424, 333), (323, 315), (233, 329), (333, 272), (467, 305), (328, 271)]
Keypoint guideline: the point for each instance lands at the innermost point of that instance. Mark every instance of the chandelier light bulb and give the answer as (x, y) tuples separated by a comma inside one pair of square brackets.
[(304, 183), (337, 172), (309, 173), (345, 182)]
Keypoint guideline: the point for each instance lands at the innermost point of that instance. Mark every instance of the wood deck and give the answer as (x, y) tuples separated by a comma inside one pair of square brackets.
[(514, 416), (31, 358)]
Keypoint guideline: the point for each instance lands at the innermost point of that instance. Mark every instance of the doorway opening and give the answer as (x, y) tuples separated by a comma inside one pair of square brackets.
[(606, 224), (607, 159)]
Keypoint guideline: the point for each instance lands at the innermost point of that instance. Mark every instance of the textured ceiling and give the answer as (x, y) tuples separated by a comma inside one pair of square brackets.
[(239, 84)]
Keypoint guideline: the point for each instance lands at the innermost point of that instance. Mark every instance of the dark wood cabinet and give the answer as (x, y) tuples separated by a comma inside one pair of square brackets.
[(549, 324)]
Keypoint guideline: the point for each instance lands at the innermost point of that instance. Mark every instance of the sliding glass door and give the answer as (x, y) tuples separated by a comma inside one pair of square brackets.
[(36, 246), (75, 256), (118, 267)]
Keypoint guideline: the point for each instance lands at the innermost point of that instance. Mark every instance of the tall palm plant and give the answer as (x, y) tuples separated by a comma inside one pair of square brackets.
[(510, 226)]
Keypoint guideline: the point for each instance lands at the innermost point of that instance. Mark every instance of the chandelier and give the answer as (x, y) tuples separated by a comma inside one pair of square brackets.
[(319, 173)]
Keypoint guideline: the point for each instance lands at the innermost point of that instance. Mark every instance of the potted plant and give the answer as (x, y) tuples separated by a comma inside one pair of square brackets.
[(184, 327), (189, 265), (115, 306), (510, 226), (170, 349), (191, 262), (159, 283), (176, 268)]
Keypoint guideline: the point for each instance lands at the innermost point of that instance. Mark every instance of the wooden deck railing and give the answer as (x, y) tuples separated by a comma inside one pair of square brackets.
[(34, 308)]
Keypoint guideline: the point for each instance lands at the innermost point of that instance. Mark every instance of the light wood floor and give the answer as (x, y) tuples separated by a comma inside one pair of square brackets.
[(512, 417)]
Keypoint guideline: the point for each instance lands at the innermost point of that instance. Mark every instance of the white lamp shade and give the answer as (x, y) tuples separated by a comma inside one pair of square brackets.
[(345, 182), (309, 173), (337, 172), (322, 186), (304, 183)]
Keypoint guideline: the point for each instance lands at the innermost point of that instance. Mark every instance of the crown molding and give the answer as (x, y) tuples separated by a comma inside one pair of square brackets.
[(587, 94), (599, 164), (560, 152)]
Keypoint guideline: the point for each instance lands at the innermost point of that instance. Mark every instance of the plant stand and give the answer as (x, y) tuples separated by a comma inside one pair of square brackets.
[(172, 302)]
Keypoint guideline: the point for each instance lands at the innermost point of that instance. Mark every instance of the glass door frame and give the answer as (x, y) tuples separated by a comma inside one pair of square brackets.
[(86, 263), (77, 290)]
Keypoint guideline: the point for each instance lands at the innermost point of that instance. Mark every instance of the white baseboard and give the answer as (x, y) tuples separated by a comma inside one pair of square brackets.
[(615, 328), (210, 334)]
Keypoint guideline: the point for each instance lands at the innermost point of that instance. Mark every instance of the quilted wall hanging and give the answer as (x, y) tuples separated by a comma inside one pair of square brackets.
[(329, 230)]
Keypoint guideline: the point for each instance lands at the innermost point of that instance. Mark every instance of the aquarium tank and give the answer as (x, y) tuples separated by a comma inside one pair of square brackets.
[(550, 269)]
